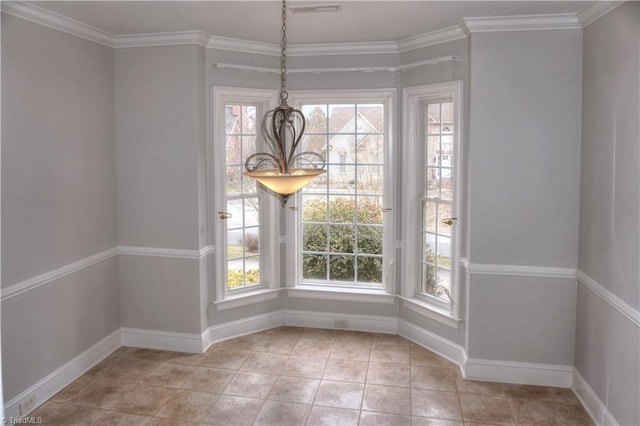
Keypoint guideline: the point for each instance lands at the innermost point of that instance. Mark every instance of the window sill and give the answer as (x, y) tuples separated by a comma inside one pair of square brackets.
[(248, 298), (431, 311), (343, 294)]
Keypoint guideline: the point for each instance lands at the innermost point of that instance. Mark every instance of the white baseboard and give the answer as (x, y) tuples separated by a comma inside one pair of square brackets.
[(590, 401), (327, 320), (230, 330), (431, 341), (63, 376), (518, 372), (168, 341)]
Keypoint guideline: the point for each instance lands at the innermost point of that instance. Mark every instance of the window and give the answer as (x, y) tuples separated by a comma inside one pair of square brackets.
[(246, 219), (340, 237), (432, 132)]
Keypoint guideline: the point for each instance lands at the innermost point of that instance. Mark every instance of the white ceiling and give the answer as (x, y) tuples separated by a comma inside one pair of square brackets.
[(359, 21)]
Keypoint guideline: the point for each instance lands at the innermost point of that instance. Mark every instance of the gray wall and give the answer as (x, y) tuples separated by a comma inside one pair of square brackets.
[(159, 137), (607, 342), (524, 170), (58, 197)]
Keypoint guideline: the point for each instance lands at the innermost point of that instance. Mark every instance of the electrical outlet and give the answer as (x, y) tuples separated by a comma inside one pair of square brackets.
[(27, 404), (341, 323)]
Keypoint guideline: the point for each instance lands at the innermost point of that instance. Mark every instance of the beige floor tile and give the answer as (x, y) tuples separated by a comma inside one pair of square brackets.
[(532, 412), (277, 344), (276, 413), (73, 389), (309, 367), (144, 399), (184, 358), (294, 389), (353, 336), (389, 374), (262, 362), (565, 396), (169, 375), (251, 385), (223, 358), (433, 378), (387, 399), (66, 414), (384, 352), (339, 395), (340, 372), (435, 404), (345, 370), (312, 348), (390, 339), (244, 343), (486, 409), (354, 351), (102, 393), (479, 388), (368, 418), (328, 416), (318, 334), (233, 410), (211, 380), (537, 393), (188, 405), (420, 356), (113, 418), (424, 421)]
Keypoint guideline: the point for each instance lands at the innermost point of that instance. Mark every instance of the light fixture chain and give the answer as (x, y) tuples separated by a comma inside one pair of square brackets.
[(283, 56)]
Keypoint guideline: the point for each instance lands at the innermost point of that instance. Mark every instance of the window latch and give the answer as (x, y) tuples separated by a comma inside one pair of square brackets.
[(224, 215), (448, 220)]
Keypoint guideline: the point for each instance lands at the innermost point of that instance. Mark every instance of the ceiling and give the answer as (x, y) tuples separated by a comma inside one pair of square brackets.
[(358, 21)]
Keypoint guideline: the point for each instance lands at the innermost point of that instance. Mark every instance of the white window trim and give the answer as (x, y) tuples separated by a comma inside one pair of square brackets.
[(270, 229), (413, 99), (388, 97)]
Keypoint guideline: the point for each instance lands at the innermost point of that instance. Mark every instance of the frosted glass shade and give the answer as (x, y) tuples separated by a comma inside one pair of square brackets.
[(284, 183)]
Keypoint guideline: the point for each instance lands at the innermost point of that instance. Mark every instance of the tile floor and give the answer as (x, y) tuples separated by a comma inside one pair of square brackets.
[(296, 376)]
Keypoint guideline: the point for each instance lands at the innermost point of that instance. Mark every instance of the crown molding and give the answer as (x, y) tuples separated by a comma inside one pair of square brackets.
[(558, 21), (430, 39), (39, 15), (596, 11), (246, 46), (42, 16), (199, 38)]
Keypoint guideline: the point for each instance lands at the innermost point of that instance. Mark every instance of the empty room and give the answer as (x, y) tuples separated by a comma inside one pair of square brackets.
[(320, 213)]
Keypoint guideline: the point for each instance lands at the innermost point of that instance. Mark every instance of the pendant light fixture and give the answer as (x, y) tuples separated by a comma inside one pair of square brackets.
[(283, 170)]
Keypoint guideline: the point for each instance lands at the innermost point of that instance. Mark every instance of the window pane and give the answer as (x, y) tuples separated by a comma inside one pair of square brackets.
[(341, 239), (234, 179), (314, 208), (341, 209), (429, 278), (433, 118), (342, 268), (433, 150), (314, 237), (370, 269), (370, 210), (370, 179), (447, 117), (341, 178), (430, 217), (444, 212), (370, 239), (352, 188), (370, 118), (314, 143), (444, 252), (243, 224), (314, 266), (433, 182), (370, 149), (316, 116), (342, 118)]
